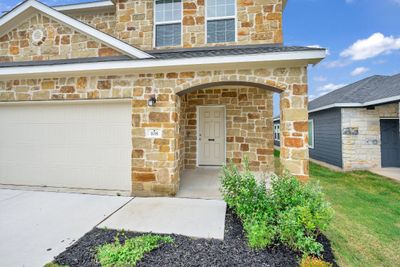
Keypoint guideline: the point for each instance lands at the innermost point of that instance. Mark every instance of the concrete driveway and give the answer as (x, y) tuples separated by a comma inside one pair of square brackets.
[(36, 226)]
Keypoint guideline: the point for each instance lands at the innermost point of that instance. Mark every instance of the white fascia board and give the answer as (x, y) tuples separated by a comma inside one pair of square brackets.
[(358, 105), (337, 105), (26, 8), (151, 65), (85, 6), (383, 100)]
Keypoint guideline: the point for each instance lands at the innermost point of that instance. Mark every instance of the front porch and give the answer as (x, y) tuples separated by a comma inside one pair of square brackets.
[(210, 118), (200, 183)]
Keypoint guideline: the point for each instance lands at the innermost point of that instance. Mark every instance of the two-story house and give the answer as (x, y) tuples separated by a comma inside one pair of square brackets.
[(124, 95)]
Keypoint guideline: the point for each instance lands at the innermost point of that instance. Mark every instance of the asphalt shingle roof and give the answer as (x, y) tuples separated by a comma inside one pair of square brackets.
[(369, 89), (227, 51), (175, 54)]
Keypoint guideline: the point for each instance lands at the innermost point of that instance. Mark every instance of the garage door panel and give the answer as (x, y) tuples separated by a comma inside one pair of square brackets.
[(79, 145)]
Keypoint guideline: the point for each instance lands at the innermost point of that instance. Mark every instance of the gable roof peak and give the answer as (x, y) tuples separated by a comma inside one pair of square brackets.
[(27, 8)]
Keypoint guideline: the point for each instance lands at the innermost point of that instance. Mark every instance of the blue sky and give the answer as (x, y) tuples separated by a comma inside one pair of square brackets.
[(362, 36)]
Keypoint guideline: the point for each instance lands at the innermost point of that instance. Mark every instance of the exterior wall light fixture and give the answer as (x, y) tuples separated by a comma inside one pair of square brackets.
[(152, 101)]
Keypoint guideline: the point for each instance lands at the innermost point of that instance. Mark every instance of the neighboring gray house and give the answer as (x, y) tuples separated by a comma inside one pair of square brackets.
[(356, 127)]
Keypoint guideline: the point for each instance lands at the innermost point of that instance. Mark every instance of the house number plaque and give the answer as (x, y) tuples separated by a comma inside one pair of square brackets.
[(153, 133)]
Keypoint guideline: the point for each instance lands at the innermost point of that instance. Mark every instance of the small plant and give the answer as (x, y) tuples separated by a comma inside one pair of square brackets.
[(314, 262), (291, 212), (131, 251)]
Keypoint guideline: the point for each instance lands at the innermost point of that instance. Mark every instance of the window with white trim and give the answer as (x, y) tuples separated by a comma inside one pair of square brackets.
[(277, 132), (311, 133), (221, 21), (168, 22)]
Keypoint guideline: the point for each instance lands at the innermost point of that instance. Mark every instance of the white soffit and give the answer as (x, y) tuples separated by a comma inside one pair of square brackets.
[(30, 7), (152, 65)]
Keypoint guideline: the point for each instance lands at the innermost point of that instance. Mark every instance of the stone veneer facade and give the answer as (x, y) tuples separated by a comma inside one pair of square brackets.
[(157, 163), (363, 151), (59, 42), (259, 22)]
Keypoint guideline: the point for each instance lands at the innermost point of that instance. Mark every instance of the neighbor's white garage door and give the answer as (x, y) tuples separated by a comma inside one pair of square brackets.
[(76, 145)]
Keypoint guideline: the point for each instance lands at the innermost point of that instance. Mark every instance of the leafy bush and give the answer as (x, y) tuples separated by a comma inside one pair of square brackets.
[(314, 262), (290, 212), (129, 253)]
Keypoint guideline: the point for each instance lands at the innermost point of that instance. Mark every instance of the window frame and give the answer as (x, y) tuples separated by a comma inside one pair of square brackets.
[(234, 17), (313, 134), (155, 24), (277, 132)]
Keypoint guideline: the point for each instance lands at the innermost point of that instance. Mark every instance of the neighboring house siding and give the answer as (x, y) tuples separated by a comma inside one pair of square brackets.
[(327, 137), (362, 150), (58, 42), (257, 22)]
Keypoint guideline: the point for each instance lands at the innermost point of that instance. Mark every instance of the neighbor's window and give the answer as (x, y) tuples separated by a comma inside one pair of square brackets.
[(221, 20), (311, 134), (277, 132), (168, 22)]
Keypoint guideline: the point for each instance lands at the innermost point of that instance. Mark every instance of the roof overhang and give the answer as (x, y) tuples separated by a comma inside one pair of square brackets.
[(99, 6), (281, 59), (28, 8), (358, 105)]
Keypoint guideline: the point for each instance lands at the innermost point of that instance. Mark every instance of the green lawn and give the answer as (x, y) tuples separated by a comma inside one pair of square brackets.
[(366, 228)]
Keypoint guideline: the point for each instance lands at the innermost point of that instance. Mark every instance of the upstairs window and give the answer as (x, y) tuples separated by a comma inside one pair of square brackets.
[(168, 22), (221, 21)]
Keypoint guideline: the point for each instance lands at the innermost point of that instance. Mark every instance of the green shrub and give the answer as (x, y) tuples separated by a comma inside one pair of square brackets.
[(290, 212), (129, 253)]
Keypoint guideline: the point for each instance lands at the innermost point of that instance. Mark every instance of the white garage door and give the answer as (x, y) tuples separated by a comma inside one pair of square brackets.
[(83, 145)]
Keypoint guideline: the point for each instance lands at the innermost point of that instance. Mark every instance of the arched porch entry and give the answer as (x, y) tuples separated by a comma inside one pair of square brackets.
[(223, 121), (246, 98)]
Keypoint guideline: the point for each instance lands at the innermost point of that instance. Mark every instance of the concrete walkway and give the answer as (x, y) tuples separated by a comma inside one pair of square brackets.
[(190, 217), (392, 173), (36, 226)]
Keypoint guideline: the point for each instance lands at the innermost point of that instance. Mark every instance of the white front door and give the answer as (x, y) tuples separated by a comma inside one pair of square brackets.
[(211, 136)]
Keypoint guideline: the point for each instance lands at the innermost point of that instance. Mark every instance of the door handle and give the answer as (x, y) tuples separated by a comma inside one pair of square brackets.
[(211, 140)]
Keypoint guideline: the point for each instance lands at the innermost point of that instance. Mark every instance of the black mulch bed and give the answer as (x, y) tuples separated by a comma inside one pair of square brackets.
[(185, 251)]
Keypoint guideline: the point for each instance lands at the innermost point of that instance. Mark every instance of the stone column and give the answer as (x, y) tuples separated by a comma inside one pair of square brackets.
[(155, 170), (294, 130)]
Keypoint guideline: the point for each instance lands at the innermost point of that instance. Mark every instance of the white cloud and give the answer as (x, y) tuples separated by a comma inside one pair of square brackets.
[(397, 2), (327, 88), (375, 45), (320, 79), (359, 71), (336, 63)]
